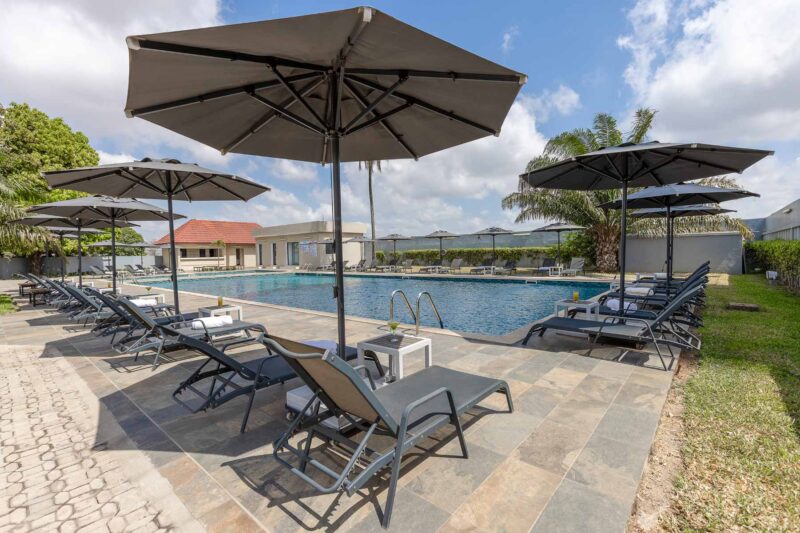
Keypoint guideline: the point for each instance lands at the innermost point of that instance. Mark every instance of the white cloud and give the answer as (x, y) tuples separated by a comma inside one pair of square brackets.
[(563, 100), (509, 36), (70, 60), (107, 158), (722, 71), (297, 171), (775, 180)]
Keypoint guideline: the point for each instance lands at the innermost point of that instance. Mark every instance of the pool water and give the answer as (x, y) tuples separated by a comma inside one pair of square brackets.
[(489, 307)]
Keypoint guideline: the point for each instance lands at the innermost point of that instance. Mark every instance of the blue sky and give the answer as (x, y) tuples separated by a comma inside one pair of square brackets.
[(719, 71)]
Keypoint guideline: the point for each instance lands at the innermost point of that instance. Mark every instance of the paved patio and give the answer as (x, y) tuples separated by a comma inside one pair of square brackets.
[(568, 459)]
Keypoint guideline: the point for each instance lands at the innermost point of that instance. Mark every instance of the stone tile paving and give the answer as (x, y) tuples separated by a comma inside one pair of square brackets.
[(568, 459)]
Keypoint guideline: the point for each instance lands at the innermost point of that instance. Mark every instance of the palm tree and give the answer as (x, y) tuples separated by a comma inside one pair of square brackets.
[(370, 166), (220, 246), (580, 207)]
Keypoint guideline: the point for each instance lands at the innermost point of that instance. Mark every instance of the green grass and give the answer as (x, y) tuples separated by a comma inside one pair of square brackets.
[(6, 305), (742, 417)]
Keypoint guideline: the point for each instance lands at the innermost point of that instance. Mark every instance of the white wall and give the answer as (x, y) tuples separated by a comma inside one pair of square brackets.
[(724, 250)]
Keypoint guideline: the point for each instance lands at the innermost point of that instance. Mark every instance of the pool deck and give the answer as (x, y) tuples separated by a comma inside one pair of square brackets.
[(569, 458)]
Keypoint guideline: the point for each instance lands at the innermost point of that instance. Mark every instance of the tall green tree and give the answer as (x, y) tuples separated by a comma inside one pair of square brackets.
[(580, 207), (371, 166), (31, 143)]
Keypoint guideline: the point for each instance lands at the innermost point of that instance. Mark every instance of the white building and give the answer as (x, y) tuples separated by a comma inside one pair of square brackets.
[(295, 245)]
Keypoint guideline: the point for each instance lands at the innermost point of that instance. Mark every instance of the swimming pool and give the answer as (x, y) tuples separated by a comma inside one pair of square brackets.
[(485, 306)]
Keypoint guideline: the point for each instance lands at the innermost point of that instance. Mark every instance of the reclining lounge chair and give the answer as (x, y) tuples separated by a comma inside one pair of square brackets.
[(406, 411)]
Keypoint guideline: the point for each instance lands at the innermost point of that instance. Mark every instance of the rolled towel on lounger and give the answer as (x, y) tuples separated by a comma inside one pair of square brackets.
[(613, 304), (144, 302), (639, 291), (660, 275), (212, 322)]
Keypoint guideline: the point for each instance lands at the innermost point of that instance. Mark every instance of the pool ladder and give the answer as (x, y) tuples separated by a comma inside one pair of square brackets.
[(415, 316)]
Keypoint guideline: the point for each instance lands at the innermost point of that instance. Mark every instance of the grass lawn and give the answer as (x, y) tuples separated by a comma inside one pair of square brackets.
[(6, 305), (742, 415)]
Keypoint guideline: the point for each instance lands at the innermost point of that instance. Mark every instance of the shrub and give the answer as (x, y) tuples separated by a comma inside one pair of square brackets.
[(475, 256), (781, 256)]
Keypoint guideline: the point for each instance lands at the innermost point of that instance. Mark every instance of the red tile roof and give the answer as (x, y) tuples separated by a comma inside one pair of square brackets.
[(208, 231)]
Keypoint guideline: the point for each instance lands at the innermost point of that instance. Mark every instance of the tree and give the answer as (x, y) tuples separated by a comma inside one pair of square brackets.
[(31, 143), (580, 207), (370, 165), (220, 244)]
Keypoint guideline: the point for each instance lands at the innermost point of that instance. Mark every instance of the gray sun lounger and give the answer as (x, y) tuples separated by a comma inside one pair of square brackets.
[(661, 331), (404, 412)]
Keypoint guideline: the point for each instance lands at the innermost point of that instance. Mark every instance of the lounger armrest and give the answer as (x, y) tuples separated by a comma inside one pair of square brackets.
[(425, 399), (367, 374)]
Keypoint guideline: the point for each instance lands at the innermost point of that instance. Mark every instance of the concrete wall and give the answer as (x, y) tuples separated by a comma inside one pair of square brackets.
[(724, 250), (50, 265)]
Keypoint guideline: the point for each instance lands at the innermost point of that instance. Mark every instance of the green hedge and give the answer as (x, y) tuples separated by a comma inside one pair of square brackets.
[(474, 256), (778, 255)]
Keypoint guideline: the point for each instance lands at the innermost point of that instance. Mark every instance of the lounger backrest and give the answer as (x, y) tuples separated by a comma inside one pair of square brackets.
[(80, 296), (137, 313), (577, 263), (676, 304), (342, 388), (456, 263), (108, 302), (548, 262), (214, 353)]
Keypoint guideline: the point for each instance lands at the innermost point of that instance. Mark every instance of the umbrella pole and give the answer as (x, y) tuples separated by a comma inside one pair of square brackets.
[(558, 248), (494, 254), (669, 245), (338, 290), (63, 257), (623, 234), (172, 259), (114, 254), (80, 260)]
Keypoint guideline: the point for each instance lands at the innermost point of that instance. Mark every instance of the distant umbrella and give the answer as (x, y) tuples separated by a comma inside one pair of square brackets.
[(65, 232), (641, 165), (441, 235), (494, 231), (158, 179), (558, 228), (394, 237), (671, 196), (116, 210)]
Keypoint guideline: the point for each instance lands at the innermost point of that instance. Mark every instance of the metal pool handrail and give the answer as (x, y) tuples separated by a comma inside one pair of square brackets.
[(433, 305), (408, 304)]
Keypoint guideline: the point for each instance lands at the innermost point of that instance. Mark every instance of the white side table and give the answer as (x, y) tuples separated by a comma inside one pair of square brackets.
[(591, 307), (217, 310), (396, 346)]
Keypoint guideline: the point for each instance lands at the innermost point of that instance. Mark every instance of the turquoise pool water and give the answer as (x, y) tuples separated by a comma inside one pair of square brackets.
[(469, 305)]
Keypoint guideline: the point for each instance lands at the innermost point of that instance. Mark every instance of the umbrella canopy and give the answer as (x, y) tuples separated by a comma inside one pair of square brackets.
[(671, 213), (394, 237), (116, 210), (350, 85), (158, 179), (558, 227), (441, 235), (51, 221), (103, 244), (494, 231), (678, 194), (670, 196), (641, 165), (63, 232)]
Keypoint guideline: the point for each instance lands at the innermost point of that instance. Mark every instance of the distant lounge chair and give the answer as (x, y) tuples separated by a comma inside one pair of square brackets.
[(430, 269), (548, 266), (368, 265), (405, 266), (630, 329), (577, 264), (133, 271), (388, 267), (102, 272), (455, 266), (357, 267), (405, 413)]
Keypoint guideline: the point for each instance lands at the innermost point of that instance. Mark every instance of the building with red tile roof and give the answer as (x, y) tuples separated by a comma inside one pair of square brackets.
[(198, 243)]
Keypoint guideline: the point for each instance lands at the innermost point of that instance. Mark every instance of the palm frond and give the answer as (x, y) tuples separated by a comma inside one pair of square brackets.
[(606, 131), (642, 122)]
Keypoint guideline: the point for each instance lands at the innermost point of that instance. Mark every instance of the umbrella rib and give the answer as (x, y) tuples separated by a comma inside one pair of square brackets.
[(374, 103), (449, 75), (299, 97), (598, 171), (715, 165), (270, 116), (214, 183), (226, 55), (86, 178), (215, 95), (425, 105), (378, 118), (138, 181), (645, 169), (282, 112), (385, 123)]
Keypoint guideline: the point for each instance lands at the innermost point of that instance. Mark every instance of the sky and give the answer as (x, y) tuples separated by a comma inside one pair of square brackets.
[(721, 72)]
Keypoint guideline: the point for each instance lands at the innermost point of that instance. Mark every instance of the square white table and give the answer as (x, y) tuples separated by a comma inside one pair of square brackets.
[(396, 346), (591, 307), (217, 310)]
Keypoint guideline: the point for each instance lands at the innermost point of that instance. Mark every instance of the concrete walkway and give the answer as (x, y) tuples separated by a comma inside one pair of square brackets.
[(568, 459)]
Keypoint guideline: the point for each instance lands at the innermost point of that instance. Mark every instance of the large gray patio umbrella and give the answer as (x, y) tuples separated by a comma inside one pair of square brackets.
[(650, 164), (351, 85), (66, 232), (670, 196), (558, 228), (441, 235), (394, 237), (156, 179), (116, 210), (494, 231), (79, 223), (670, 214)]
